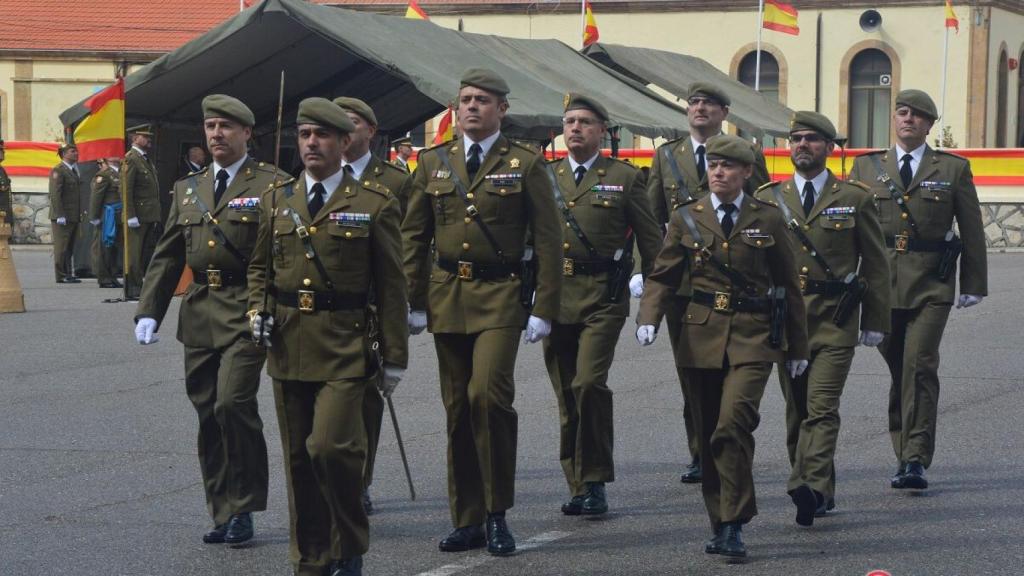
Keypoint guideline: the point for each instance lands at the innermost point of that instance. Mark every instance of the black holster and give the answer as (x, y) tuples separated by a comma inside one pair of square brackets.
[(528, 277), (618, 278), (851, 298), (947, 263), (777, 326)]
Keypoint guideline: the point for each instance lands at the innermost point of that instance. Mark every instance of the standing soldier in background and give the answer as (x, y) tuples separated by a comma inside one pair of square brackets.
[(604, 204), (141, 197), (105, 210), (65, 212), (475, 198), (403, 152), (387, 178), (920, 193), (212, 229), (679, 173), (6, 195), (844, 274)]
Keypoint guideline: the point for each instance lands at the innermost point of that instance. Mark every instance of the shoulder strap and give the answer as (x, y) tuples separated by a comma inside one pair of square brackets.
[(894, 193), (567, 213), (732, 274), (684, 193), (794, 226), (214, 228), (471, 209)]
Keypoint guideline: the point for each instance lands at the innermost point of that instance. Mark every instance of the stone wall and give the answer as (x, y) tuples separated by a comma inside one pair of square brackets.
[(31, 218), (1004, 225)]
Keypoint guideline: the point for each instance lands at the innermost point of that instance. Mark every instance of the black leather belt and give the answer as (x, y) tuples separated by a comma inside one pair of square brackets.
[(825, 287), (903, 243), (573, 267), (726, 302), (218, 278), (310, 301), (473, 271)]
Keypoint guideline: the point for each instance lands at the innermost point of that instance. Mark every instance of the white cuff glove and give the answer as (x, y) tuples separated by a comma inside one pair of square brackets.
[(62, 221), (417, 321), (536, 330), (392, 376), (261, 329), (871, 338), (645, 335), (796, 367), (145, 330), (968, 300), (95, 222), (133, 223), (636, 285)]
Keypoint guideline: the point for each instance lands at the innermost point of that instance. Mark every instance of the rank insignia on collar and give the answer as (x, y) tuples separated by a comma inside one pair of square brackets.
[(513, 163)]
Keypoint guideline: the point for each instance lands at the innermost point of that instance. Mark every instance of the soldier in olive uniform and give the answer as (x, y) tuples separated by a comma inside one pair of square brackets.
[(105, 210), (729, 251), (6, 195), (679, 173), (920, 192), (335, 271), (212, 229), (837, 239), (65, 212), (140, 191), (403, 152), (605, 207), (475, 198), (367, 168)]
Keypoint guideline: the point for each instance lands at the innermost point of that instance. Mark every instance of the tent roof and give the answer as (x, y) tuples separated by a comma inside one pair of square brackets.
[(750, 110)]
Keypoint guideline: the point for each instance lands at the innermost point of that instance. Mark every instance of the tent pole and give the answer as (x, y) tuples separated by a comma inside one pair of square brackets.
[(757, 65)]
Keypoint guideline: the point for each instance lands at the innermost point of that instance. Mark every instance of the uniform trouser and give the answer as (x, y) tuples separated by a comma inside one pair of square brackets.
[(812, 417), (63, 248), (222, 385), (373, 419), (912, 352), (725, 411), (478, 388), (104, 258), (324, 446), (674, 318), (578, 357), (141, 243)]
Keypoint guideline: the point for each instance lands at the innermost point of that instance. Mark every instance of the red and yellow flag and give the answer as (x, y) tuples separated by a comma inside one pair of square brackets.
[(780, 17), (951, 20), (445, 130), (29, 158), (101, 133), (415, 12), (590, 33)]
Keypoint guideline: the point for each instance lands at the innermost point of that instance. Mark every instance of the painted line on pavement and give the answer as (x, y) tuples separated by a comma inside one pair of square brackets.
[(483, 558)]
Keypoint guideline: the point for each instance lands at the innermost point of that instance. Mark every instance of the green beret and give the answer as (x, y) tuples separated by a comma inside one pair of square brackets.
[(224, 106), (919, 101), (731, 148), (484, 79), (358, 106), (323, 112), (575, 101), (402, 142), (141, 130), (709, 91), (807, 120)]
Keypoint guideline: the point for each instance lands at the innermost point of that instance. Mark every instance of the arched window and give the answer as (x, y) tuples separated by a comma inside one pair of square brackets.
[(747, 73), (870, 98), (1002, 89)]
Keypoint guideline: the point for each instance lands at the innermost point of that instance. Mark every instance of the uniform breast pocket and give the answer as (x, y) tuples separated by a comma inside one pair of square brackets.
[(286, 242), (839, 235), (349, 247), (607, 201), (191, 230), (752, 251), (504, 201), (885, 207), (445, 202), (938, 204), (241, 228)]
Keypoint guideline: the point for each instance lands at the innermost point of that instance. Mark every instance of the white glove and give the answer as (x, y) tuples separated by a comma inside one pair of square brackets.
[(871, 338), (145, 331), (62, 221), (417, 321), (392, 376), (133, 223), (95, 222), (536, 329), (636, 285), (968, 300), (645, 335), (796, 367), (261, 333)]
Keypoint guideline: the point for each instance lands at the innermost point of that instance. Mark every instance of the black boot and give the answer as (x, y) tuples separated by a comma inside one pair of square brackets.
[(348, 567), (239, 528), (499, 540), (714, 546), (596, 502), (913, 477), (897, 479), (462, 539), (574, 507), (692, 474), (732, 544), (806, 501)]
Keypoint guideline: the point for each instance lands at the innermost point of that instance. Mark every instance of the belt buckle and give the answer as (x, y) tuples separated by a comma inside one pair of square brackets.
[(723, 300), (465, 270), (901, 243), (803, 283), (213, 279), (568, 267), (307, 301)]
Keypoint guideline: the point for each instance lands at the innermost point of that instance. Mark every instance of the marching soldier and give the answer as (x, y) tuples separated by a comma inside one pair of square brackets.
[(604, 204), (105, 209), (367, 168), (732, 254), (678, 173), (65, 212), (336, 250), (475, 199), (6, 195), (211, 229), (141, 194), (844, 273), (920, 192), (403, 152)]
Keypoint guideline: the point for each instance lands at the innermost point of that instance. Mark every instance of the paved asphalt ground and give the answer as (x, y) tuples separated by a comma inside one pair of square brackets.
[(98, 470)]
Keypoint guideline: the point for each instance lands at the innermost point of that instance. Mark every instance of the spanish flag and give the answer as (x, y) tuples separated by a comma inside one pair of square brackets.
[(444, 129), (29, 158), (101, 133), (780, 17), (590, 34), (415, 12), (951, 20)]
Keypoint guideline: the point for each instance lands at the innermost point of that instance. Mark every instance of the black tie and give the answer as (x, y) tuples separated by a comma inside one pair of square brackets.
[(580, 172), (808, 198), (348, 168), (473, 162), (906, 173), (727, 218), (700, 162), (222, 185), (318, 199)]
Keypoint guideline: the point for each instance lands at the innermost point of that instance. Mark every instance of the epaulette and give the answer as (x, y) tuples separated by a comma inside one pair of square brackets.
[(858, 184), (687, 202), (282, 184), (673, 141), (393, 166), (772, 203), (191, 175), (951, 154), (870, 152), (766, 186), (267, 167), (436, 146), (621, 161), (523, 147)]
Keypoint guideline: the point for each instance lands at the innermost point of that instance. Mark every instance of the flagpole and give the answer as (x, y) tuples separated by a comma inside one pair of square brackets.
[(945, 65), (757, 64), (583, 23)]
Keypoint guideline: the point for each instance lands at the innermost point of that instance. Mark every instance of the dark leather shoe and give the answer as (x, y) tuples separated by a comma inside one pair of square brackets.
[(806, 501), (574, 507), (913, 477), (216, 536), (692, 474), (239, 528), (111, 285), (462, 539), (897, 479), (367, 503), (349, 567), (732, 544), (69, 280), (499, 540), (596, 502), (714, 546), (825, 507)]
